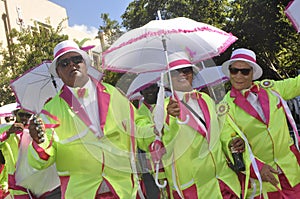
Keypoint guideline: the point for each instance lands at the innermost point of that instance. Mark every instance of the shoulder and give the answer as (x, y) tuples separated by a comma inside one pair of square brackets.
[(266, 83)]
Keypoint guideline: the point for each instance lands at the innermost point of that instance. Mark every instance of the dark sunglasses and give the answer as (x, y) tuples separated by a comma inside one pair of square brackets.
[(244, 71), (186, 71), (65, 62), (28, 115)]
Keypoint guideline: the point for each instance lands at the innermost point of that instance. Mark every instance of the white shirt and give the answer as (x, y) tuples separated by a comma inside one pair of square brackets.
[(90, 104), (193, 103)]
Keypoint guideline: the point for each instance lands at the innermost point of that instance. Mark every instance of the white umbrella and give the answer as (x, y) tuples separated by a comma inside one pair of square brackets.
[(208, 76), (145, 49), (292, 12), (36, 86), (6, 110)]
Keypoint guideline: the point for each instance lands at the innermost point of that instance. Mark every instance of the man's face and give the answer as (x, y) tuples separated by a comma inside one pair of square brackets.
[(241, 75), (150, 94), (72, 69), (182, 79)]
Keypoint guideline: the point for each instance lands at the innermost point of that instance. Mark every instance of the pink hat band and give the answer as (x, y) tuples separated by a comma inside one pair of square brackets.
[(179, 62), (243, 56), (64, 50)]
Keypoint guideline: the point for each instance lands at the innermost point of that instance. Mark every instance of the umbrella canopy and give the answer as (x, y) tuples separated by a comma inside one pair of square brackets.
[(143, 49), (6, 110), (208, 76), (292, 12), (36, 86)]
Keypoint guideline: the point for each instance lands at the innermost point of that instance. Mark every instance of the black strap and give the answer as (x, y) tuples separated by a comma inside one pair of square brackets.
[(198, 116)]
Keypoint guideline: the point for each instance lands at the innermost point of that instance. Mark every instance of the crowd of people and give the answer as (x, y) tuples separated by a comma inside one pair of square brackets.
[(92, 135)]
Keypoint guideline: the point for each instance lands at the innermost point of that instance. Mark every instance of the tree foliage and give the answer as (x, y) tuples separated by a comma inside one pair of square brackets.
[(29, 48), (260, 25)]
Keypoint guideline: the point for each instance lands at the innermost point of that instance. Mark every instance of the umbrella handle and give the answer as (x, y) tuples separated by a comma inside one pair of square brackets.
[(184, 122), (156, 178)]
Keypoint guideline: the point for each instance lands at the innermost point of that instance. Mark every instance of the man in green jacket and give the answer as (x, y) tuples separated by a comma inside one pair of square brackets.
[(258, 113), (194, 163), (90, 132)]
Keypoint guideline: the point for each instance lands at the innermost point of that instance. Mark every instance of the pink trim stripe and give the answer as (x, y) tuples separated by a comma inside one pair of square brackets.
[(244, 57), (41, 152), (64, 50), (3, 137), (179, 62)]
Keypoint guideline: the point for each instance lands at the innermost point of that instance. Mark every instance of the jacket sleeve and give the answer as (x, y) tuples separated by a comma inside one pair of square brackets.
[(287, 88), (41, 156)]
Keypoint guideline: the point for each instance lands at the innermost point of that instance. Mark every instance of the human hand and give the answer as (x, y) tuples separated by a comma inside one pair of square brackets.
[(267, 174), (173, 108), (16, 127), (237, 144), (37, 129)]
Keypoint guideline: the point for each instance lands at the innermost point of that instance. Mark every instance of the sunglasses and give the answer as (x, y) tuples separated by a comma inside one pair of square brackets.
[(185, 71), (28, 115), (244, 71), (65, 62)]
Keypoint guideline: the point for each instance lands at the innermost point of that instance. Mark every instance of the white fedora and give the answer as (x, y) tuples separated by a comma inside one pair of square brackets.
[(179, 60), (246, 55), (63, 48)]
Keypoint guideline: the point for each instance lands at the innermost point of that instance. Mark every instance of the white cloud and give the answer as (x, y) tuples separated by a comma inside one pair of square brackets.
[(91, 30)]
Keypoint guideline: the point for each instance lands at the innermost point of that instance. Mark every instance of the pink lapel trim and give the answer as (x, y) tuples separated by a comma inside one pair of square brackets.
[(265, 103), (192, 122), (103, 102), (205, 111), (242, 102), (74, 104)]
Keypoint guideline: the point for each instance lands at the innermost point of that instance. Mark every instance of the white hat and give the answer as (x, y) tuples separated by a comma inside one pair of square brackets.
[(63, 48), (246, 55), (179, 60)]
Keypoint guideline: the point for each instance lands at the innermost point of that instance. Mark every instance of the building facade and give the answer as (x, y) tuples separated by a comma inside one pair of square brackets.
[(20, 14)]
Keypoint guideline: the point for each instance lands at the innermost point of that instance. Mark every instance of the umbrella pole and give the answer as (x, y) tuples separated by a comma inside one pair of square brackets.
[(170, 80), (168, 66)]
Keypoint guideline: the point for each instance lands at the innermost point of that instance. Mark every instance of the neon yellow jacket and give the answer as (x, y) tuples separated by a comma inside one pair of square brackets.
[(197, 157), (10, 150), (84, 160), (270, 141)]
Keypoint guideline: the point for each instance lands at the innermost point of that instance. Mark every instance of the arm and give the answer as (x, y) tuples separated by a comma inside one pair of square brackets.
[(41, 154)]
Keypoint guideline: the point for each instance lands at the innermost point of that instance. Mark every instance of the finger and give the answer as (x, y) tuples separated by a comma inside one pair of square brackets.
[(272, 179), (274, 170)]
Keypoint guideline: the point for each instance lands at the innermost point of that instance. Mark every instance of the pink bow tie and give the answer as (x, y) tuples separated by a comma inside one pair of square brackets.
[(192, 95), (82, 92), (253, 89)]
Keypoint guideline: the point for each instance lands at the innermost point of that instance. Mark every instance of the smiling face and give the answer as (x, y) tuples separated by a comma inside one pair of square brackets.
[(72, 69), (241, 81), (182, 79)]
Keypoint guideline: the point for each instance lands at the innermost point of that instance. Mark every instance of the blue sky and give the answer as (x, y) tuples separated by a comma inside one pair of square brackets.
[(85, 14)]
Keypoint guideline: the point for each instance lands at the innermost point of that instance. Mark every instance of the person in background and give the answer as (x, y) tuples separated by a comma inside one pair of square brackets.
[(148, 168), (92, 139), (194, 163), (10, 139), (258, 113)]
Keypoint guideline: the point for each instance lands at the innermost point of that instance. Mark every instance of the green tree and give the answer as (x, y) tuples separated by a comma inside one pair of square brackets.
[(260, 25), (29, 49), (263, 27), (108, 32)]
